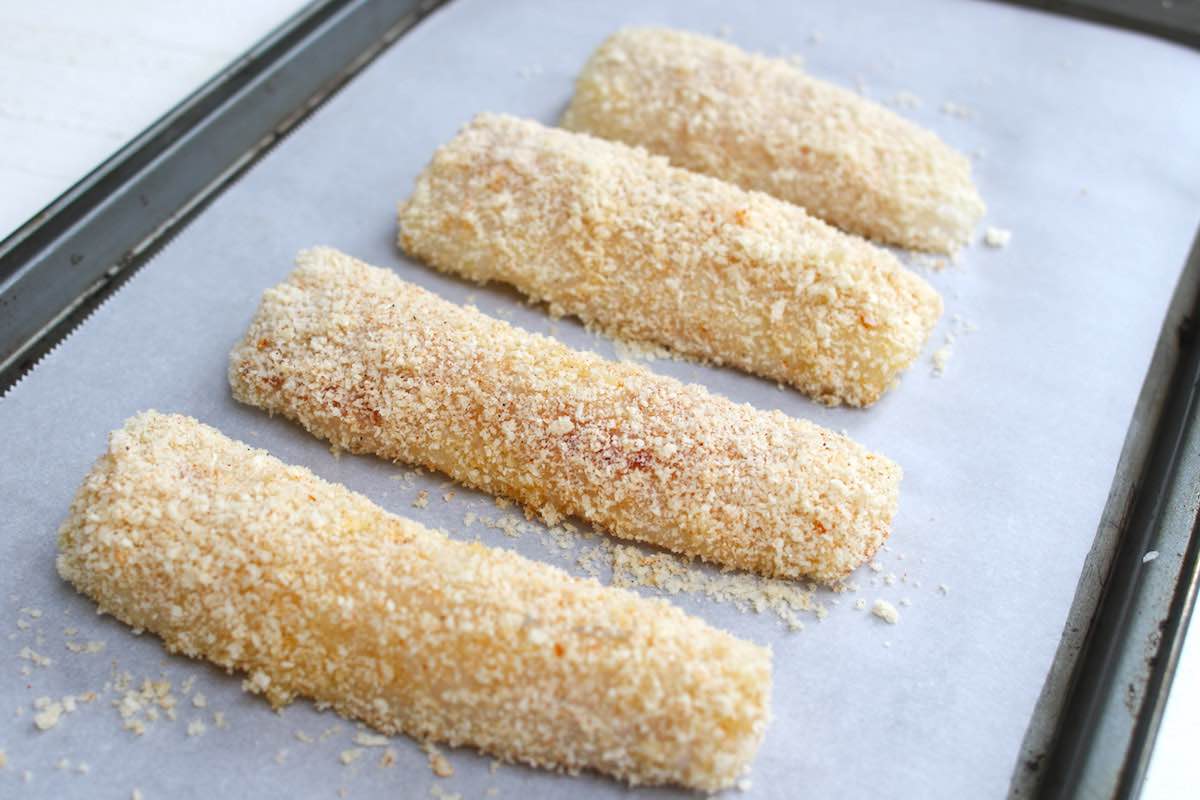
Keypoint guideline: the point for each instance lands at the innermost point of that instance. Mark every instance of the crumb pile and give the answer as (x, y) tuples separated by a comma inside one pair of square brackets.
[(378, 365), (763, 124), (646, 251), (229, 554), (670, 574)]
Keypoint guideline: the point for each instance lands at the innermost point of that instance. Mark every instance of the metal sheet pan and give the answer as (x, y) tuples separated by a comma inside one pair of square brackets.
[(1009, 456)]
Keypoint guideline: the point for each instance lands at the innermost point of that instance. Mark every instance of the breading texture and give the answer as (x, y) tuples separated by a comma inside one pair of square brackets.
[(647, 251), (231, 555), (377, 365), (764, 124)]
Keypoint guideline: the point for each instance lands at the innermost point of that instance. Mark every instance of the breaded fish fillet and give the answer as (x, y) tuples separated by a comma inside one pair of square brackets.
[(377, 365), (764, 124), (231, 555), (648, 251)]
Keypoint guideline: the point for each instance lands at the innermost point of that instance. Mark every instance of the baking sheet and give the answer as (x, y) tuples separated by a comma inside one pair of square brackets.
[(1084, 146)]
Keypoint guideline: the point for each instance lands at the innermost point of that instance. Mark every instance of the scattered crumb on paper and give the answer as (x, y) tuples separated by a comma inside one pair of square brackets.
[(952, 109), (941, 358), (632, 350), (438, 762), (886, 612), (906, 100), (996, 237), (365, 739), (673, 574)]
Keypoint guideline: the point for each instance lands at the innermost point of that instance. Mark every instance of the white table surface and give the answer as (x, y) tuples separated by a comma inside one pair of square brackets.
[(79, 79)]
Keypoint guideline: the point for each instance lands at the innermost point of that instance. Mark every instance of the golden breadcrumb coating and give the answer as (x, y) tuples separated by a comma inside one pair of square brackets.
[(231, 555), (378, 365), (763, 124), (647, 251)]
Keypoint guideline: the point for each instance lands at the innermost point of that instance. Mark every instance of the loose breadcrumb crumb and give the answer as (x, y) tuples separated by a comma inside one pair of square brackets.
[(461, 643), (48, 717), (952, 109), (348, 757), (645, 457), (437, 761), (370, 739), (907, 100), (648, 252), (633, 350), (38, 659), (762, 124), (388, 759), (886, 612), (941, 358), (997, 237)]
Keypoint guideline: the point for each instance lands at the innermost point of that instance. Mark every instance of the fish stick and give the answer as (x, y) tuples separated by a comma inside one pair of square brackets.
[(377, 365), (764, 124), (229, 554), (650, 252)]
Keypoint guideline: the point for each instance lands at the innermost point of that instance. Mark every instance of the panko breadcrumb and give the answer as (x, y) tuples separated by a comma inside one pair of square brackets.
[(646, 251), (231, 555), (763, 124), (886, 611), (377, 365)]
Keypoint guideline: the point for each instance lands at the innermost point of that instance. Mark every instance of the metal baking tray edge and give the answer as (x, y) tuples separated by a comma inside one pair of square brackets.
[(1093, 729), (58, 267), (1094, 726)]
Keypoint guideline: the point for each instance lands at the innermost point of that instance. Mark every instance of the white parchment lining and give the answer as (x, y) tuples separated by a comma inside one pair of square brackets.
[(1085, 145)]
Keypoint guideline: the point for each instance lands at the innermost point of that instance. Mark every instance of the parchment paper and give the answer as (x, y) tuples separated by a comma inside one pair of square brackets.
[(1085, 143)]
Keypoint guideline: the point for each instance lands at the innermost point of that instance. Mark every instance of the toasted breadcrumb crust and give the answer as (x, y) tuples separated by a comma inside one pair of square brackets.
[(763, 124), (647, 251), (377, 365), (231, 555)]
